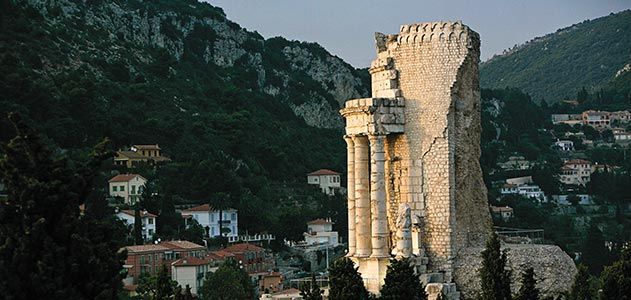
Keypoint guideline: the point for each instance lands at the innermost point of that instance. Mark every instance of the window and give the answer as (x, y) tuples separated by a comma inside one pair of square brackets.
[(114, 188), (122, 188), (133, 189), (150, 220), (233, 217), (212, 217)]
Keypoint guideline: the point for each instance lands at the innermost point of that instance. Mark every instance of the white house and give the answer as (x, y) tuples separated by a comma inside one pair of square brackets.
[(191, 271), (523, 186), (576, 172), (564, 145), (503, 212), (208, 217), (516, 163), (320, 231), (329, 181), (584, 199), (148, 221), (127, 186)]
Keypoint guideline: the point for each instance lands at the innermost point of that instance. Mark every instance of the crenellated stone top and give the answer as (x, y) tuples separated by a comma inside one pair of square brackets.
[(430, 32)]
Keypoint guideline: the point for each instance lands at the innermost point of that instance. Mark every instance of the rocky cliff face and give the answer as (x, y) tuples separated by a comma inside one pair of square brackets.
[(305, 76)]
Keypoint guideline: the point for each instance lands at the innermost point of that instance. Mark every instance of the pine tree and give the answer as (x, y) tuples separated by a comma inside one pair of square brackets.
[(616, 279), (402, 283), (138, 239), (528, 289), (345, 282), (158, 287), (594, 253), (495, 278), (47, 249), (312, 293), (229, 282), (580, 287)]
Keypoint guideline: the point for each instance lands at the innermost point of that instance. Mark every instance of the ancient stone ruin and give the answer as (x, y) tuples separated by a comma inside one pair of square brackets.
[(415, 185)]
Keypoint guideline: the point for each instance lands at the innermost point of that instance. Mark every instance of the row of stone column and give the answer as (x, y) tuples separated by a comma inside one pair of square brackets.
[(367, 220)]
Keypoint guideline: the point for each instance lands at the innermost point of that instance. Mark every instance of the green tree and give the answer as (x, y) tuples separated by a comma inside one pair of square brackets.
[(48, 248), (528, 289), (313, 292), (401, 282), (594, 254), (495, 277), (157, 287), (345, 282), (616, 279), (229, 282), (138, 239), (581, 288)]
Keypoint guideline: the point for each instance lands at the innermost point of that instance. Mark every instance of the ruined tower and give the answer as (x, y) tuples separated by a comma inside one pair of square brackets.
[(414, 178)]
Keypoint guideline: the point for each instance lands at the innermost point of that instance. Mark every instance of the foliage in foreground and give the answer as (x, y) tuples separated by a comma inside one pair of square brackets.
[(495, 277), (229, 282), (401, 282), (345, 282)]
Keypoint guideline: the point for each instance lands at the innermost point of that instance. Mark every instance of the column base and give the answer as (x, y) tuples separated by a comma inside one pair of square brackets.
[(373, 271)]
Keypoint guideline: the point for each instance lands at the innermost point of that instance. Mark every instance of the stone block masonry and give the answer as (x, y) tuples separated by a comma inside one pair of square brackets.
[(419, 185)]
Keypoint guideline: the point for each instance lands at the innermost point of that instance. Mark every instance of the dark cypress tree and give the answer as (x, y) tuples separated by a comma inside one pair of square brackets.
[(345, 282), (313, 292), (47, 249), (580, 287), (616, 279), (138, 240), (401, 282), (528, 289), (594, 253), (495, 278)]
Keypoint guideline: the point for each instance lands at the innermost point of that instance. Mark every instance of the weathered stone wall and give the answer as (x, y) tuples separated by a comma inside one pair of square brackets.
[(554, 269), (434, 165)]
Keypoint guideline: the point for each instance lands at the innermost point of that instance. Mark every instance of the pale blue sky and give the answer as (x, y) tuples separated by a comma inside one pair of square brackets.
[(345, 27)]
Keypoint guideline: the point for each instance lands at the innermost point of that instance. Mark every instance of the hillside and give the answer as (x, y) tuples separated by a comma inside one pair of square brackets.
[(560, 64)]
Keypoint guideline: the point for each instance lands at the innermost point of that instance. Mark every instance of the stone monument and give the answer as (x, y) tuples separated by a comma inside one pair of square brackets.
[(415, 187)]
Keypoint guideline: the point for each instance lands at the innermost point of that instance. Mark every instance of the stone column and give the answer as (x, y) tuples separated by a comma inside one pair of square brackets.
[(378, 197), (350, 158), (362, 198)]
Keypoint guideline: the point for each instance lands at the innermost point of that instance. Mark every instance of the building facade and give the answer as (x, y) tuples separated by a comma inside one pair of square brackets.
[(328, 181), (576, 172), (413, 152), (208, 217), (129, 187), (320, 231), (148, 222)]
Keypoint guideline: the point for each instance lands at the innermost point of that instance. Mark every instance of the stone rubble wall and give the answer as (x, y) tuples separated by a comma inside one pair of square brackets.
[(554, 269)]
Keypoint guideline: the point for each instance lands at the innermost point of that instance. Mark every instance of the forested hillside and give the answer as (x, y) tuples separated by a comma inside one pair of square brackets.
[(238, 114), (560, 64)]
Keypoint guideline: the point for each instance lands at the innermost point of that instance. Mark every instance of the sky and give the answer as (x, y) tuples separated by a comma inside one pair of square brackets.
[(346, 27)]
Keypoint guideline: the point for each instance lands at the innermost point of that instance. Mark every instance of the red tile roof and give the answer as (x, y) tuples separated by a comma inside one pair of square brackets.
[(145, 248), (578, 162), (323, 172), (124, 177), (181, 245), (129, 155), (143, 213), (203, 207), (191, 261), (319, 222), (243, 247), (220, 254), (148, 147)]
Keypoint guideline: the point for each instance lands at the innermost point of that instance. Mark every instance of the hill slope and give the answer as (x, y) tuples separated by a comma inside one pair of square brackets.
[(559, 64)]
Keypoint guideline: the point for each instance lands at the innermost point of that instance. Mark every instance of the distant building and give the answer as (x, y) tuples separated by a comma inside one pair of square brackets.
[(140, 153), (570, 119), (523, 186), (127, 186), (253, 258), (520, 180), (622, 137), (148, 222), (208, 217), (596, 119), (271, 282), (320, 231), (328, 181), (564, 145), (502, 212), (576, 172), (191, 271), (584, 199), (516, 163)]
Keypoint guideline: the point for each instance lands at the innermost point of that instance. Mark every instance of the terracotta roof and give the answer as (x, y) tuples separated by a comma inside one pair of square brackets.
[(319, 222), (501, 209), (145, 248), (220, 254), (143, 213), (577, 162), (243, 247), (204, 207), (151, 147), (129, 154), (124, 177), (181, 245), (130, 287), (323, 172), (191, 261), (288, 292)]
